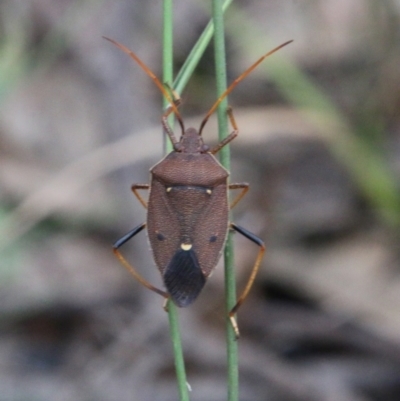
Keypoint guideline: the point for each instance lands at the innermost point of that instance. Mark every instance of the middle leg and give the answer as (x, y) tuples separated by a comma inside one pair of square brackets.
[(244, 186)]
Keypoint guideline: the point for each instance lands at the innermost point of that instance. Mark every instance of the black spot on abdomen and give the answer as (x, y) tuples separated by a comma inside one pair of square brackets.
[(160, 237)]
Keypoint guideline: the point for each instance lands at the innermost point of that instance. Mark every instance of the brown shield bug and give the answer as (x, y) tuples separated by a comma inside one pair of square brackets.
[(188, 207)]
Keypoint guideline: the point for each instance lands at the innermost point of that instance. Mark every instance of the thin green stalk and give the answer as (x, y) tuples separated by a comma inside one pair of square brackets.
[(172, 310), (230, 282), (178, 352), (195, 54), (231, 341), (168, 64)]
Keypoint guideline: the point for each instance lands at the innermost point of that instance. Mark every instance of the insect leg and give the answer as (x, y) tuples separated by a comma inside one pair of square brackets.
[(244, 186), (231, 136), (128, 266), (134, 189), (164, 119), (253, 274), (174, 94)]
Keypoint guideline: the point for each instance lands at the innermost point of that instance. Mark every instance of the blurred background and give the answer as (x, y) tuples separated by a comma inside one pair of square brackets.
[(319, 144)]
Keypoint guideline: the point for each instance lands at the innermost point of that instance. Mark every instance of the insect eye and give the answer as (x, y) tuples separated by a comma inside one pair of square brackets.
[(205, 148)]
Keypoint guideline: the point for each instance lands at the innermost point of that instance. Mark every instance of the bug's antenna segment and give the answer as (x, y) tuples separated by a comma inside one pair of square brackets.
[(236, 81), (152, 76)]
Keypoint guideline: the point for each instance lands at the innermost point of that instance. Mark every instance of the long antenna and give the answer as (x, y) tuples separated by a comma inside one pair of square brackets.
[(236, 81), (151, 75)]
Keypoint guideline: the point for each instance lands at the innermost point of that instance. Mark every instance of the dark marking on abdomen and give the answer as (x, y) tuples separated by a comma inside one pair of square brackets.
[(183, 277)]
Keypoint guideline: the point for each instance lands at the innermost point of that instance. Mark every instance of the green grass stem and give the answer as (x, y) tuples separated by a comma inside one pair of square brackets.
[(178, 352), (172, 309), (224, 155), (196, 53)]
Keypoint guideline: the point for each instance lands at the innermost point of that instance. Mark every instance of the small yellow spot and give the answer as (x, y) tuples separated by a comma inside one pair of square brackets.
[(169, 189), (209, 191), (186, 247)]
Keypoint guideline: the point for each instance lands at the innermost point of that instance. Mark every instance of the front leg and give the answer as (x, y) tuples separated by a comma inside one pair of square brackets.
[(135, 188), (231, 136), (164, 120)]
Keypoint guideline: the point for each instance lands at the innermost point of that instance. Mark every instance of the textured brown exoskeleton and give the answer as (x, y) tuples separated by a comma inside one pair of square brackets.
[(188, 208)]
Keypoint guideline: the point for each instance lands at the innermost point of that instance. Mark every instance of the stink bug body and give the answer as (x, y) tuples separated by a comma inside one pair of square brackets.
[(188, 207), (187, 219)]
